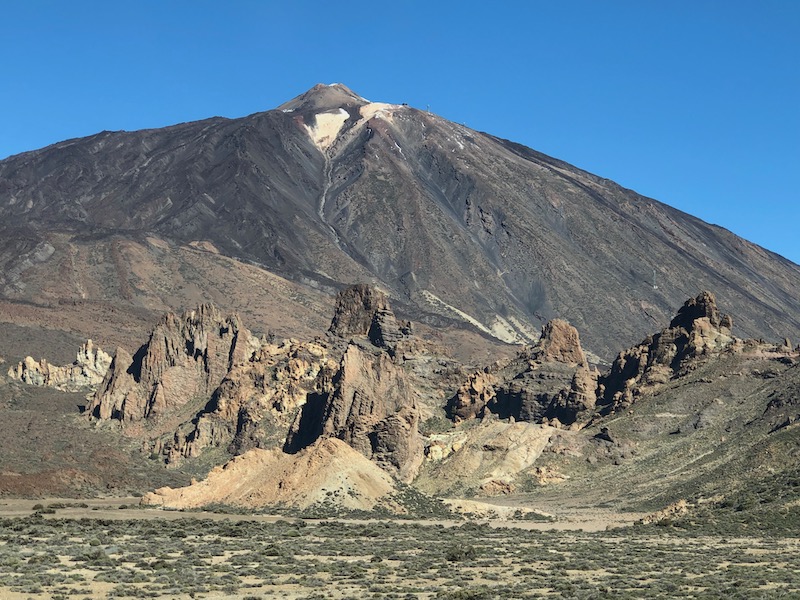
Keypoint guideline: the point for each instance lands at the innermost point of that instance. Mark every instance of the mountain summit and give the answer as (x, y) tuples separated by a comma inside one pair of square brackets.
[(323, 97), (458, 227)]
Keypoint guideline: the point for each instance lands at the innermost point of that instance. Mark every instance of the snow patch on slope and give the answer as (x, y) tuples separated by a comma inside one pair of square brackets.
[(327, 127)]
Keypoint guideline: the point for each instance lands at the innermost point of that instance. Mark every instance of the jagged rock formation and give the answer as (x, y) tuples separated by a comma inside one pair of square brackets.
[(697, 332), (185, 358), (371, 407), (88, 370), (368, 401), (327, 472), (557, 386), (356, 307), (243, 394), (559, 342), (550, 381), (362, 310), (253, 405)]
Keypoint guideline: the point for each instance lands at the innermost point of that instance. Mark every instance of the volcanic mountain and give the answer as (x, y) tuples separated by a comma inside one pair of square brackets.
[(275, 210)]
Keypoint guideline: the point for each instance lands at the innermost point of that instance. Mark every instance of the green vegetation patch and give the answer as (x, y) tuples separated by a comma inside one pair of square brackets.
[(193, 558)]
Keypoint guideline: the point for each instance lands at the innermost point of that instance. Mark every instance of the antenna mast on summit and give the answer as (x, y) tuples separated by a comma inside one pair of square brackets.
[(655, 287)]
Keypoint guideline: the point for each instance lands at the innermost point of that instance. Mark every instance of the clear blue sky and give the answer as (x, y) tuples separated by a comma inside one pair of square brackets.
[(693, 102)]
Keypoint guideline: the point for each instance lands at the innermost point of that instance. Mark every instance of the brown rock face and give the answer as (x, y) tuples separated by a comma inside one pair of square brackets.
[(698, 330), (559, 342), (576, 403), (255, 400), (186, 357), (371, 407), (472, 397), (363, 310), (87, 371), (551, 380), (356, 307)]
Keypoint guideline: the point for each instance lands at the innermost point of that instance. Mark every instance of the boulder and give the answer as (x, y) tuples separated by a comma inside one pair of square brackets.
[(559, 342)]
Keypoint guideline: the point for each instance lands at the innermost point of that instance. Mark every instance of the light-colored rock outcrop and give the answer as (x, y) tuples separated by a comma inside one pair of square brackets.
[(491, 457), (186, 357), (328, 471), (254, 400), (88, 370)]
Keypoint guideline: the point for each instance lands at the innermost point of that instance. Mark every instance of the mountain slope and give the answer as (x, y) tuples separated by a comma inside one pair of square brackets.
[(332, 189)]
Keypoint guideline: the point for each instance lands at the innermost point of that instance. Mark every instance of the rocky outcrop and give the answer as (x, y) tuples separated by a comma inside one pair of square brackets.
[(559, 343), (575, 404), (472, 397), (88, 370), (550, 381), (370, 406), (254, 404), (355, 310), (489, 457), (697, 332), (362, 310), (386, 331), (186, 357)]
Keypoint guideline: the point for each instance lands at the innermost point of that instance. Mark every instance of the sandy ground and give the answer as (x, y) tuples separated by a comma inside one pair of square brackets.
[(565, 518)]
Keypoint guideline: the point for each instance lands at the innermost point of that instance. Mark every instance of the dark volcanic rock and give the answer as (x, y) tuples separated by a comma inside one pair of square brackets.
[(471, 399), (549, 382), (332, 189), (362, 310), (356, 309)]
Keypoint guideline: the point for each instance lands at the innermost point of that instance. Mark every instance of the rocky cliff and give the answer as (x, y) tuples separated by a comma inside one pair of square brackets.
[(185, 358), (548, 381), (697, 332), (254, 403), (368, 401)]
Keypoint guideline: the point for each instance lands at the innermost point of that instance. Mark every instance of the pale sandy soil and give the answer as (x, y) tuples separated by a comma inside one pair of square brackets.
[(257, 478), (565, 518)]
